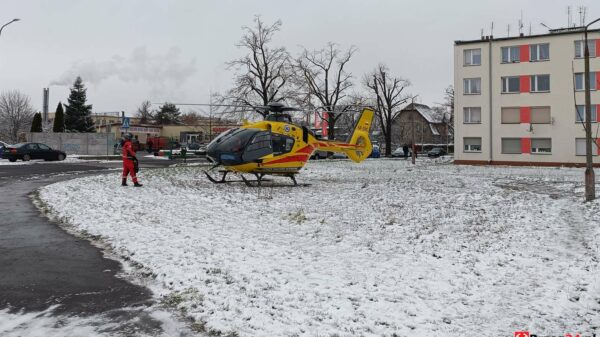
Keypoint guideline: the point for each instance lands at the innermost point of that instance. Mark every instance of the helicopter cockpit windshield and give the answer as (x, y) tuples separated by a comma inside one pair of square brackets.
[(240, 145)]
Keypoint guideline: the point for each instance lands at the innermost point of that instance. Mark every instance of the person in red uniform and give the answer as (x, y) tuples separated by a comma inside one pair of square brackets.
[(129, 161)]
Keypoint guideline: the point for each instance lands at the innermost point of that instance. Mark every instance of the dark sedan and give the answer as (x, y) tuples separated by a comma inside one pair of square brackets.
[(436, 152), (29, 151)]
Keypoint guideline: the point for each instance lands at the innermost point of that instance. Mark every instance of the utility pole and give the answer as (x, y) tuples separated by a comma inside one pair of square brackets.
[(210, 111), (590, 178)]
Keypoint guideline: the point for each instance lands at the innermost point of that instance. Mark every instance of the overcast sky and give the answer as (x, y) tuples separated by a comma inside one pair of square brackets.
[(129, 51)]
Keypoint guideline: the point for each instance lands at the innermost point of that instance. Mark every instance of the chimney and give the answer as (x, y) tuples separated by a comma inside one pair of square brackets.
[(46, 98)]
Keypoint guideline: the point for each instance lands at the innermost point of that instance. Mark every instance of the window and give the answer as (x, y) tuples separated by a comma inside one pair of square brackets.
[(539, 52), (511, 84), (541, 145), (472, 115), (472, 57), (511, 145), (510, 115), (472, 144), (540, 83), (472, 86), (511, 54), (282, 144), (580, 114), (579, 51), (580, 147), (580, 80), (541, 115), (43, 147)]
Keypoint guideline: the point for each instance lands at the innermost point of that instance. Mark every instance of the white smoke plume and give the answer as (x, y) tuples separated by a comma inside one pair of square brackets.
[(159, 71)]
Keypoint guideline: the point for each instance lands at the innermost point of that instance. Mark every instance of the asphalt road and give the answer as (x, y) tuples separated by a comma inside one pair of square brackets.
[(41, 265)]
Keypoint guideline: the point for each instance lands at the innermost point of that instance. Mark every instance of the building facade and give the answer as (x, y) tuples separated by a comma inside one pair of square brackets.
[(423, 126), (520, 100)]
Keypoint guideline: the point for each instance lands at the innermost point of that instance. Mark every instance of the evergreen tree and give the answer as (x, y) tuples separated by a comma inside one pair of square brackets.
[(59, 119), (78, 117), (168, 114), (36, 124), (144, 112)]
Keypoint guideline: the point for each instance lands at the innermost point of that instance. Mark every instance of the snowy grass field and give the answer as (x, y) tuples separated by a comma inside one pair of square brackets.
[(381, 248)]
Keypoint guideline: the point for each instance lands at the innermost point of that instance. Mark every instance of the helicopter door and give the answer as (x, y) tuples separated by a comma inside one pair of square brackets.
[(282, 144), (258, 147)]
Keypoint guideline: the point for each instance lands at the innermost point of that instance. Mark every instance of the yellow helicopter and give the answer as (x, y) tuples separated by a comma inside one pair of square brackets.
[(276, 146)]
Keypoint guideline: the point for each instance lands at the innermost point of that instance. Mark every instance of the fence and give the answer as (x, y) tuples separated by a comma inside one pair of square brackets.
[(76, 143)]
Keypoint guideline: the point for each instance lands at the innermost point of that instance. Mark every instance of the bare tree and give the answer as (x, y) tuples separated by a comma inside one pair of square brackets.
[(449, 101), (16, 114), (191, 118), (325, 81), (263, 75), (389, 95), (145, 112)]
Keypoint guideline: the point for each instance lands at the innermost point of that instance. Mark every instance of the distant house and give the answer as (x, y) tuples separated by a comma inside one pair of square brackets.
[(424, 126)]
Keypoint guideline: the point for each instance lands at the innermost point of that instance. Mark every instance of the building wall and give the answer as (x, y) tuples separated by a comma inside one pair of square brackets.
[(563, 130), (76, 143)]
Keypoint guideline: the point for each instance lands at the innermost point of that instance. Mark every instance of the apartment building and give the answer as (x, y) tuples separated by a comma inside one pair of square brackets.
[(520, 100)]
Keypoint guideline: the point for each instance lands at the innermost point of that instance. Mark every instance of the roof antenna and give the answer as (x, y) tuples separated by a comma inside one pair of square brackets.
[(492, 30), (530, 29), (508, 29), (521, 24), (543, 24), (570, 18)]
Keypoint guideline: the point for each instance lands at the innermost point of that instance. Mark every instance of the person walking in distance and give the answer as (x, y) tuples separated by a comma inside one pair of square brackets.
[(129, 162)]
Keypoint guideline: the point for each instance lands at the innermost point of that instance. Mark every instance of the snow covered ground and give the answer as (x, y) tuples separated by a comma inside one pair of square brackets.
[(372, 249)]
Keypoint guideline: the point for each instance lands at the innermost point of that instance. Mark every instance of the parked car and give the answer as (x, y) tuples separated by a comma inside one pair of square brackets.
[(28, 151), (339, 155), (196, 148), (399, 152), (2, 146), (319, 155), (436, 152)]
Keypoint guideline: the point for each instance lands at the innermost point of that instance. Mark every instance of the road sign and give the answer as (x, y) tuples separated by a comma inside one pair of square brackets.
[(125, 123)]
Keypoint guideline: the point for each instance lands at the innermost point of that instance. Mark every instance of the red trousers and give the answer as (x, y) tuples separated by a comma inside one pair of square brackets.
[(129, 170)]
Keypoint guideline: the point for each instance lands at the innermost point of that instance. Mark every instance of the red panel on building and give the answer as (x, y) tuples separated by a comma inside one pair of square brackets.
[(524, 53), (525, 114), (525, 84), (598, 77), (598, 113), (597, 47), (598, 145), (525, 145)]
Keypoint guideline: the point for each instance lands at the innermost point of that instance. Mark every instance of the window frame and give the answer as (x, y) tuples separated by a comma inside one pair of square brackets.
[(592, 81), (534, 83), (471, 62), (581, 49), (502, 150), (536, 152), (541, 107), (594, 113), (469, 120), (510, 55), (469, 150), (506, 84), (594, 147), (504, 108), (537, 47), (469, 80)]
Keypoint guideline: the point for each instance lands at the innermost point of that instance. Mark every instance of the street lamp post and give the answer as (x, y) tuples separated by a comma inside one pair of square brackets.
[(590, 178), (8, 23)]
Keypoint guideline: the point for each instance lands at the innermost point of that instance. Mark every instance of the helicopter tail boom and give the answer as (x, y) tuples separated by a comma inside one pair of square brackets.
[(358, 147)]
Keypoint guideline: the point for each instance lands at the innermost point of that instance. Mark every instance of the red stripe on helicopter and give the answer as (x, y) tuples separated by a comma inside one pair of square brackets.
[(307, 149), (301, 158)]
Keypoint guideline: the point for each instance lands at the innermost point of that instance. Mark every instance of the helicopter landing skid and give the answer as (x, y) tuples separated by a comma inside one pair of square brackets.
[(260, 178), (223, 180)]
